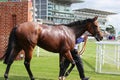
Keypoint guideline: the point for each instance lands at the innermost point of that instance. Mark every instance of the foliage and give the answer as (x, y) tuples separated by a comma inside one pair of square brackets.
[(110, 29)]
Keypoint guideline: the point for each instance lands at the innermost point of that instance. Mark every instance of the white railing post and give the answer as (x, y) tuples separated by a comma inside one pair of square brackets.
[(108, 57)]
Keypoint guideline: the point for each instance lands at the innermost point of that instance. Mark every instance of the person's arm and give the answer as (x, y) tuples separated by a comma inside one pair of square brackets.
[(84, 45)]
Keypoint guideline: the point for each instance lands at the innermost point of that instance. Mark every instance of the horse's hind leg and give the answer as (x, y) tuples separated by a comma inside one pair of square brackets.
[(12, 56), (7, 71), (28, 56)]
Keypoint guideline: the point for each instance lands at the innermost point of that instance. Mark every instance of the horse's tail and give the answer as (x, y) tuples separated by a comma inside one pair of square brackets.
[(10, 46)]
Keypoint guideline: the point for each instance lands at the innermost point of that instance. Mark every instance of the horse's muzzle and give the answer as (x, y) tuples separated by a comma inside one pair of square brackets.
[(98, 37)]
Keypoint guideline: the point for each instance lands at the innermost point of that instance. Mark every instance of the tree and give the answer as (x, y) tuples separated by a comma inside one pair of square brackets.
[(110, 29)]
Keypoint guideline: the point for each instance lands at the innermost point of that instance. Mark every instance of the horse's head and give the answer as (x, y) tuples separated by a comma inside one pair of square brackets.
[(93, 28)]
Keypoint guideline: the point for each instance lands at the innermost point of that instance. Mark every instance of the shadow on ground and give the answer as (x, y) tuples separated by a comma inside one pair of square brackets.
[(23, 78), (89, 65)]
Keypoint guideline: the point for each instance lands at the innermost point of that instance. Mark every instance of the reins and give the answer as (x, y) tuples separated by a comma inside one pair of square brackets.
[(84, 46)]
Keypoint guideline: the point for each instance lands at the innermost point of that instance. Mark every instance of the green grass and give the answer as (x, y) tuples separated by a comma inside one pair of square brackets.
[(46, 67)]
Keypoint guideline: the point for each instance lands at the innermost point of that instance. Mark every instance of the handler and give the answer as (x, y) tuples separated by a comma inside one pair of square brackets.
[(77, 58)]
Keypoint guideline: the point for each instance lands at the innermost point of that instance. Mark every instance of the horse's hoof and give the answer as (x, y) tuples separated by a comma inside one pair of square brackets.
[(32, 78), (86, 78), (66, 74), (62, 78), (6, 78)]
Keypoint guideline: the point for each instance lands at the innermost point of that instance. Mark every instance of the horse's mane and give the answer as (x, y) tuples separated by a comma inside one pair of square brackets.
[(79, 22)]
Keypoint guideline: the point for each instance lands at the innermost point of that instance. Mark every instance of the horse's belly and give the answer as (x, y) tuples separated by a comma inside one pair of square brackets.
[(51, 48)]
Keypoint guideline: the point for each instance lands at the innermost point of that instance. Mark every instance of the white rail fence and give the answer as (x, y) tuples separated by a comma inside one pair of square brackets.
[(108, 57)]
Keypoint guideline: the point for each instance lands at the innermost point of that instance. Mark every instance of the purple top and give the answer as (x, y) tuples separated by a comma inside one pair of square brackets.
[(79, 40)]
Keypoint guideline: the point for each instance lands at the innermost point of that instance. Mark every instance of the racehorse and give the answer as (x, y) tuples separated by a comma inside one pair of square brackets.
[(58, 39)]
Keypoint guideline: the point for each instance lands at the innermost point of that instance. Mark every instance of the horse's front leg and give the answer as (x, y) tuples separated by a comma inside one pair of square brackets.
[(70, 58), (28, 56), (62, 67), (64, 64), (69, 70)]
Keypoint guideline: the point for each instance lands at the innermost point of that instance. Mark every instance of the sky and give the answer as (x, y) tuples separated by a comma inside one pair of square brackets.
[(105, 5)]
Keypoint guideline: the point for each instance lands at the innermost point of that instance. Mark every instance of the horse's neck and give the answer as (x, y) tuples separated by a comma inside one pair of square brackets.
[(78, 30)]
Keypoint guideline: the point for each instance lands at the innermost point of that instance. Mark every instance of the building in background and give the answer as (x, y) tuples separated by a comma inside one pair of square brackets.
[(57, 11), (60, 12), (90, 13), (12, 14)]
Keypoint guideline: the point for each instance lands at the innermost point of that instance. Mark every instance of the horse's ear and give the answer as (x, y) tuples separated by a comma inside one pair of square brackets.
[(95, 18)]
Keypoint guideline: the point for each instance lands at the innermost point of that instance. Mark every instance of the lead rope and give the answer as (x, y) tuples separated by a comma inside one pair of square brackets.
[(84, 46)]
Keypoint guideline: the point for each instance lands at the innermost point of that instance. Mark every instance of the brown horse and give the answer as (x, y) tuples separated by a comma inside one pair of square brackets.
[(58, 39)]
